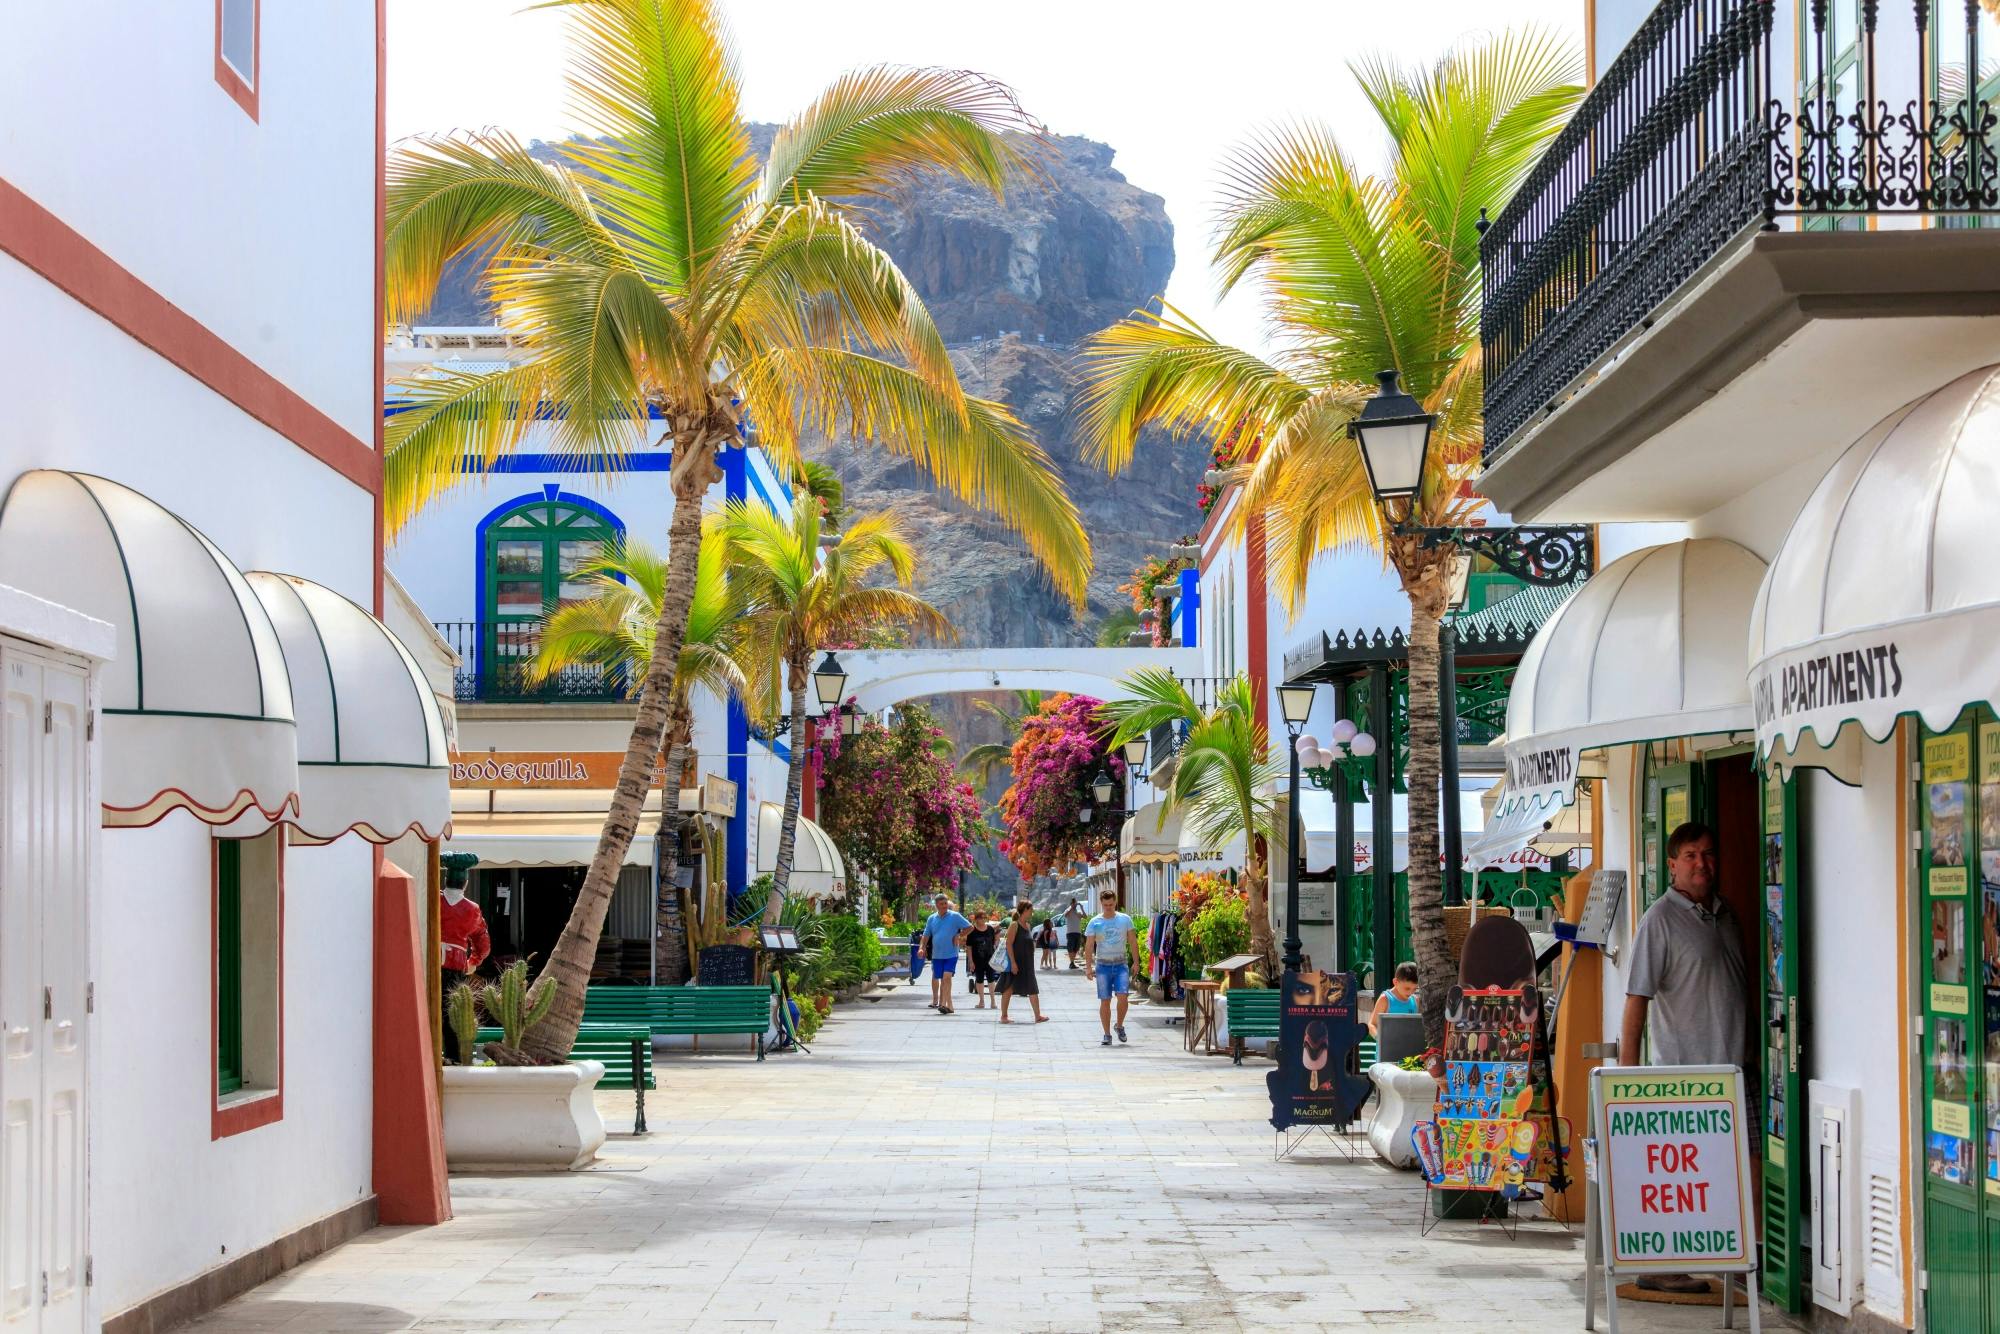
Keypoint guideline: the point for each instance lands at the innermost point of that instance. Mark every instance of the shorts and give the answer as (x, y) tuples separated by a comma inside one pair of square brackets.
[(1113, 979), (982, 969), (945, 967), (1075, 942)]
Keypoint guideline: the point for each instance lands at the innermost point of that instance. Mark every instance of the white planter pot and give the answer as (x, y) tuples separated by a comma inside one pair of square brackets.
[(521, 1117), (1403, 1098)]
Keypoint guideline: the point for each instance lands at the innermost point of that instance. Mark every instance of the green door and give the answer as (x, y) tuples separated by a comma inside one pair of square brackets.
[(532, 559), (1673, 797), (1954, 1185), (1786, 1192)]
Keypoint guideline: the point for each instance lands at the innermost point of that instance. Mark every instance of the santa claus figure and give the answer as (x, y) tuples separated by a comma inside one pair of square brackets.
[(461, 928)]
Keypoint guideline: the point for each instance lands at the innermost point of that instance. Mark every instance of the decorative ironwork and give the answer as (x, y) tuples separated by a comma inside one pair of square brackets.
[(1165, 739), (1688, 141), (493, 659), (1535, 555)]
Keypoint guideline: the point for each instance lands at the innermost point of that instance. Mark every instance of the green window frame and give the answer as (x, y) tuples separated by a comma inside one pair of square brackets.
[(228, 966), (530, 556)]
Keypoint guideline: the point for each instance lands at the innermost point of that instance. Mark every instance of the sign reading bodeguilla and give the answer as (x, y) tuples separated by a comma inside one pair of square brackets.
[(1674, 1151), (542, 770)]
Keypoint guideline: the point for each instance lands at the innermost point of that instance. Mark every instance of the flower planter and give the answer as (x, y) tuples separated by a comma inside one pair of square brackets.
[(524, 1117), (1404, 1097)]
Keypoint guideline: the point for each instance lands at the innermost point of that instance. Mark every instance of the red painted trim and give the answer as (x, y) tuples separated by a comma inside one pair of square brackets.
[(244, 94), (59, 253), (1257, 612), (258, 1111), (381, 227), (1211, 551), (408, 1145)]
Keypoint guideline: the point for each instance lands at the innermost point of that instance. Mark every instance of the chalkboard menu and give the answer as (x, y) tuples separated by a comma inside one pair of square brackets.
[(727, 966)]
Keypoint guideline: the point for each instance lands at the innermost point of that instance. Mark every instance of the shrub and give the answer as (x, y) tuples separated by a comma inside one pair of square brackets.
[(1220, 929)]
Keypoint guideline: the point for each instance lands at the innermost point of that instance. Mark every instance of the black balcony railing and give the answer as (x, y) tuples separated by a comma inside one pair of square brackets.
[(493, 662), (1165, 739), (1707, 125)]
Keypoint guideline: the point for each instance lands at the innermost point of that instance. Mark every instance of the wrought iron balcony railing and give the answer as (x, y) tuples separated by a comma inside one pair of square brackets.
[(1722, 115), (493, 659), (1165, 740)]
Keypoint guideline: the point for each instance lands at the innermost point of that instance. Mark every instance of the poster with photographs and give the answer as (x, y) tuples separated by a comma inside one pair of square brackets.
[(1774, 939), (1989, 930), (1485, 1089), (1949, 1063), (1948, 1157), (1948, 941), (1947, 838), (1992, 1008)]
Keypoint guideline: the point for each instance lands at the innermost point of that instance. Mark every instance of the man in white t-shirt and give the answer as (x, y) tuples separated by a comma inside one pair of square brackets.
[(1107, 957)]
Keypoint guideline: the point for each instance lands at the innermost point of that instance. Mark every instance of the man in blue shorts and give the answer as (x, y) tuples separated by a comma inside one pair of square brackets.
[(944, 933), (1107, 956)]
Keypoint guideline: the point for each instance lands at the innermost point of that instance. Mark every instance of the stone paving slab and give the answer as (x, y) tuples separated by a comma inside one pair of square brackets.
[(931, 1173)]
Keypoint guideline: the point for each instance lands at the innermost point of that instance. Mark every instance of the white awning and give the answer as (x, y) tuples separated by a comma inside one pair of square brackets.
[(196, 706), (1145, 839), (372, 753), (537, 838), (1651, 647), (1529, 833), (1885, 598), (818, 872)]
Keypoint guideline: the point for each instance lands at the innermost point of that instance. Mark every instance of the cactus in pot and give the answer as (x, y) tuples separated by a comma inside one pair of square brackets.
[(461, 1011), (516, 1007)]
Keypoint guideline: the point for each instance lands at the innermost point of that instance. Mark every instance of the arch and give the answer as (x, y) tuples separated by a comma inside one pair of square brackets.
[(550, 493), (879, 678)]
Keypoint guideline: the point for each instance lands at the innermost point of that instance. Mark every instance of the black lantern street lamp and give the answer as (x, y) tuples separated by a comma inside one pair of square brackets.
[(1295, 706), (1394, 432), (1102, 787), (829, 682)]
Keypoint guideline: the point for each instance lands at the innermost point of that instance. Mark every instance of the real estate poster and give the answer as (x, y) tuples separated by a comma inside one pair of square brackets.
[(1675, 1159)]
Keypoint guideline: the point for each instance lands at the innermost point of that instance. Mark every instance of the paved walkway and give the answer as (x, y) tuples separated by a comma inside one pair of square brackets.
[(924, 1172)]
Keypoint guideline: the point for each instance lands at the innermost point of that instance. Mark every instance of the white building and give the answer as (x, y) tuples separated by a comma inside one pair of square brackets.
[(486, 563), (1743, 301), (189, 273)]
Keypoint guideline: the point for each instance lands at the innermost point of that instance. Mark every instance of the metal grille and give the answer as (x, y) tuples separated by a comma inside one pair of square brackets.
[(493, 658), (1686, 142)]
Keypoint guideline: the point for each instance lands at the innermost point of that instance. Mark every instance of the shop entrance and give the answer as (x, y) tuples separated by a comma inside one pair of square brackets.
[(1959, 933), (527, 906), (1754, 821)]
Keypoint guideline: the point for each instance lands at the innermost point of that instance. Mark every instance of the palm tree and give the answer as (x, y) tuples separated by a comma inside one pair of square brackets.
[(657, 273), (800, 595), (1117, 628), (1361, 273), (987, 756), (1223, 779), (820, 482), (616, 627)]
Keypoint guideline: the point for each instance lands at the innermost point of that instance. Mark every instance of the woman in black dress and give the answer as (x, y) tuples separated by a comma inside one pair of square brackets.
[(980, 943), (1020, 978)]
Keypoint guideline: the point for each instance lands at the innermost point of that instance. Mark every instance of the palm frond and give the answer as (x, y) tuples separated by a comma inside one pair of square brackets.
[(446, 427), (1154, 696)]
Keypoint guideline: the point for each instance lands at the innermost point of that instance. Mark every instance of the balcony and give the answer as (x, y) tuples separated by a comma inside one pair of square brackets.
[(1730, 190), (1164, 742), (492, 668)]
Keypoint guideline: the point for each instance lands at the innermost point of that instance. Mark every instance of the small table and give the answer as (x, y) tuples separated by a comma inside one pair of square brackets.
[(1198, 1005)]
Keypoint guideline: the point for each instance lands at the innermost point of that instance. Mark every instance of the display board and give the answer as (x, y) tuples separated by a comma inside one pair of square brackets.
[(1673, 1166), (1317, 1081), (727, 966)]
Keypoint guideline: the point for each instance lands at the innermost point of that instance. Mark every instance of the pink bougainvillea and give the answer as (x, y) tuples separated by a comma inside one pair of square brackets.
[(1060, 749)]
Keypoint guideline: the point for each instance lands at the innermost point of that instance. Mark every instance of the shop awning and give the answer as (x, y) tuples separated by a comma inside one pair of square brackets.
[(537, 838), (1515, 828), (817, 869), (1651, 647), (1144, 839), (372, 753), (197, 706), (1885, 598)]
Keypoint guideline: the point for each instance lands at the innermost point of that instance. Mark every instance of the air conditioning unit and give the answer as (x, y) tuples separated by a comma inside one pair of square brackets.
[(1839, 1250)]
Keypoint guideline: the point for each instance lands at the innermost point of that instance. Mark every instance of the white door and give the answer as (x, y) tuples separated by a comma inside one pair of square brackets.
[(44, 990)]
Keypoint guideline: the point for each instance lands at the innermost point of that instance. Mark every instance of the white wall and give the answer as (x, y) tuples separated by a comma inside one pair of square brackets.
[(167, 1201), (261, 230)]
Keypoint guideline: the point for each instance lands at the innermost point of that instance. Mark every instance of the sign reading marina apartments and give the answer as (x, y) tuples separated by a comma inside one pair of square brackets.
[(1673, 1152)]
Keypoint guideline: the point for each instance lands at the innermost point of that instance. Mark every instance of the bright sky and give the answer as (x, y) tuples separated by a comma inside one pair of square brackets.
[(1171, 84)]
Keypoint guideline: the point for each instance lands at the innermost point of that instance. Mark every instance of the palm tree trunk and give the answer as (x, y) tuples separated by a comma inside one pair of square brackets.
[(788, 828), (670, 966), (694, 471), (1257, 880), (1435, 966)]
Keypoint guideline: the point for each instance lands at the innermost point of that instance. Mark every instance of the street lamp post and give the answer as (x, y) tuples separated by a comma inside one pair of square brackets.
[(1101, 789), (1295, 705)]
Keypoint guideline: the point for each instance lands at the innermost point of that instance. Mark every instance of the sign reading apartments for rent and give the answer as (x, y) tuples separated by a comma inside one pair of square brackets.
[(1674, 1156)]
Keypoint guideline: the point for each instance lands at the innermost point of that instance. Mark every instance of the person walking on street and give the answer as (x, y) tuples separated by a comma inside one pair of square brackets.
[(1107, 957), (1688, 987), (944, 933), (1073, 930), (1019, 942), (1045, 937), (979, 946)]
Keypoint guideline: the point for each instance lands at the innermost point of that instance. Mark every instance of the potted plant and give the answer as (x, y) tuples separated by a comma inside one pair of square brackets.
[(513, 1116)]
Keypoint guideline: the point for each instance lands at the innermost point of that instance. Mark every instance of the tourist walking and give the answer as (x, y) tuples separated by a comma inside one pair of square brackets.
[(1045, 939), (945, 931), (980, 943), (1019, 942), (1107, 957), (1073, 930)]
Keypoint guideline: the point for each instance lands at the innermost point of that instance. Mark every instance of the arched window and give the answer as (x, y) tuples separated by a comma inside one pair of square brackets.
[(530, 554)]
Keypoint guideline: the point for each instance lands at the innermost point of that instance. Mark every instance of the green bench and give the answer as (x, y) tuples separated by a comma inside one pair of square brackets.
[(1254, 1014), (684, 1011), (621, 1048)]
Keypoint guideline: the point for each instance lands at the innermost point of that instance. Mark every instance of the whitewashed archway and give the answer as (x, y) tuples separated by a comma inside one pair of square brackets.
[(879, 678)]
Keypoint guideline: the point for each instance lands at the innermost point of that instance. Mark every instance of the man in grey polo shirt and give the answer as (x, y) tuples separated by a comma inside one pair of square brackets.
[(1688, 986)]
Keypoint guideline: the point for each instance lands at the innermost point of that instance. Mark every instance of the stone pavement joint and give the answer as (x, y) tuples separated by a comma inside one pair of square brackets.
[(942, 1174)]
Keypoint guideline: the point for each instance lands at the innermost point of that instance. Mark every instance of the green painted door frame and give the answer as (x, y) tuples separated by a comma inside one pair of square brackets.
[(1780, 970)]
